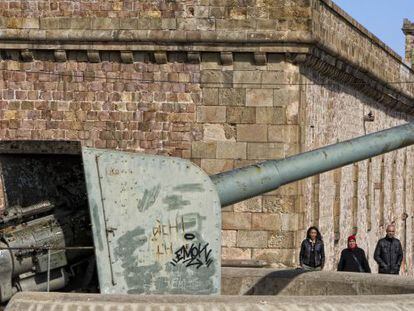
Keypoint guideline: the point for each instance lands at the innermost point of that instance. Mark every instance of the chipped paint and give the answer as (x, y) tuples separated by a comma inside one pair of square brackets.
[(149, 198), (189, 188), (175, 202), (162, 234)]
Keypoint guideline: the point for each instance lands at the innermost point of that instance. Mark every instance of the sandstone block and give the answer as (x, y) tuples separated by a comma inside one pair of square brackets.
[(241, 115), (290, 222), (215, 166), (253, 205), (251, 132), (201, 149), (128, 23), (217, 12), (283, 256), (262, 221), (279, 204), (283, 133), (211, 114), (49, 23), (287, 190), (232, 97), (285, 96), (236, 221), (235, 253), (210, 96), (105, 23), (216, 77), (254, 239), (149, 23), (259, 97), (270, 115), (292, 113), (169, 23), (246, 77), (228, 238), (235, 24), (231, 150), (259, 151), (218, 132), (281, 239), (272, 79)]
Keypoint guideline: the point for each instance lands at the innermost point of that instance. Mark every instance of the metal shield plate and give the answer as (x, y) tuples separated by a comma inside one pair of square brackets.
[(156, 223)]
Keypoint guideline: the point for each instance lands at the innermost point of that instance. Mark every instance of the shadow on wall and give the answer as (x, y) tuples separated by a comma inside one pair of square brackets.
[(295, 282)]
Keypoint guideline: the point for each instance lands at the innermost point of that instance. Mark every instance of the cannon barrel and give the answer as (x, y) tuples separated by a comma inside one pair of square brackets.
[(244, 183)]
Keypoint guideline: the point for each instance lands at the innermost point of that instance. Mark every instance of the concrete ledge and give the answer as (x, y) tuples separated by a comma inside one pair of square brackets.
[(86, 302), (254, 281)]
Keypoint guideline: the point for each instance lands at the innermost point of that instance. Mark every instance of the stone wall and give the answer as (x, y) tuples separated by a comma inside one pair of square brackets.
[(364, 197), (254, 120), (105, 105), (408, 29)]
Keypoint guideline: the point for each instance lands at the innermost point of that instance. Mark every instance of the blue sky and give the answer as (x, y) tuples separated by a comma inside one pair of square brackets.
[(383, 18)]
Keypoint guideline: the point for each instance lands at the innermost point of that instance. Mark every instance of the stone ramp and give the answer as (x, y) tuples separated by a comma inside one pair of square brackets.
[(296, 282), (95, 302)]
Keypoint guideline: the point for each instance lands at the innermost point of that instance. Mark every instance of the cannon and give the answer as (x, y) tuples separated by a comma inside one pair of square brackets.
[(176, 230), (155, 221)]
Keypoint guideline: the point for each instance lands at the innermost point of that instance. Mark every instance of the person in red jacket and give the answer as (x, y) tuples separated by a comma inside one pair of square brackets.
[(353, 258)]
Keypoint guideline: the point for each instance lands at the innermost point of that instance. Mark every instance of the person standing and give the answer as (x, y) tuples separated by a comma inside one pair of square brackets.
[(388, 253), (312, 252), (353, 258)]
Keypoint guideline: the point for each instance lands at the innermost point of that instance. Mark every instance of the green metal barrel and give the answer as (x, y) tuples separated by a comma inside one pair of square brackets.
[(244, 183)]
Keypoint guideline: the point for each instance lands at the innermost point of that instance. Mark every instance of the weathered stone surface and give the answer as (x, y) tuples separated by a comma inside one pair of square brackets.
[(281, 239), (228, 238), (251, 238), (232, 96), (214, 77), (236, 221), (253, 205), (210, 96), (211, 114), (252, 132), (215, 166), (241, 115), (286, 96), (283, 256), (231, 150), (281, 204), (201, 149), (218, 132), (236, 253), (259, 97), (283, 133), (258, 151), (290, 222), (270, 115), (264, 221)]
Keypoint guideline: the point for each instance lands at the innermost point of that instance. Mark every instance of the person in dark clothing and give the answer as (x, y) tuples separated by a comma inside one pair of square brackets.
[(312, 252), (388, 253), (353, 258)]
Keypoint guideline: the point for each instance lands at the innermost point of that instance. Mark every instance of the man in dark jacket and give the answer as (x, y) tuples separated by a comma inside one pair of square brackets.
[(388, 253)]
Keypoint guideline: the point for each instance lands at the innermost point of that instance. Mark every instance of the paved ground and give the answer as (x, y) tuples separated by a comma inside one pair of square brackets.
[(87, 302)]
